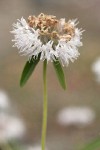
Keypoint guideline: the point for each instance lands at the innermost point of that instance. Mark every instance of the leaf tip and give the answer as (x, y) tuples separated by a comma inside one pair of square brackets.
[(64, 87), (21, 83)]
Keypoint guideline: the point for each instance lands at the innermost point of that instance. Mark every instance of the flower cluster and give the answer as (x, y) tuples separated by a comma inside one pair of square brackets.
[(46, 35), (76, 116), (11, 126), (96, 69)]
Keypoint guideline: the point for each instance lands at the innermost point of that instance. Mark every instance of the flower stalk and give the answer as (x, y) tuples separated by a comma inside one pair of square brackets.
[(44, 122)]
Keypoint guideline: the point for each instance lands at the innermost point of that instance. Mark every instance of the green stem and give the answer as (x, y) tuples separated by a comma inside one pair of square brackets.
[(44, 124)]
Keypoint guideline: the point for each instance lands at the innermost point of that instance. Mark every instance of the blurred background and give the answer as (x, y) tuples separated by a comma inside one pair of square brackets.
[(74, 114)]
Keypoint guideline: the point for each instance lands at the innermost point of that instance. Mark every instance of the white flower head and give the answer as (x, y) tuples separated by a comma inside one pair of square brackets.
[(46, 35), (4, 100), (96, 69), (10, 128), (77, 116)]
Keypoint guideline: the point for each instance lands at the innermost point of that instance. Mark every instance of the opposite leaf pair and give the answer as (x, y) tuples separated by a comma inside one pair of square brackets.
[(30, 66)]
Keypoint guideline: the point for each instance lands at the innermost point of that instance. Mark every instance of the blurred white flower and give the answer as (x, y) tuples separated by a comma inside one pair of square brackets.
[(10, 128), (37, 147), (4, 100), (96, 69), (78, 116), (46, 35)]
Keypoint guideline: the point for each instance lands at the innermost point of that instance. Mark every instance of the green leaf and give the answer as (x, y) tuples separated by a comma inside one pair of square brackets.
[(60, 73), (94, 145), (28, 69)]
